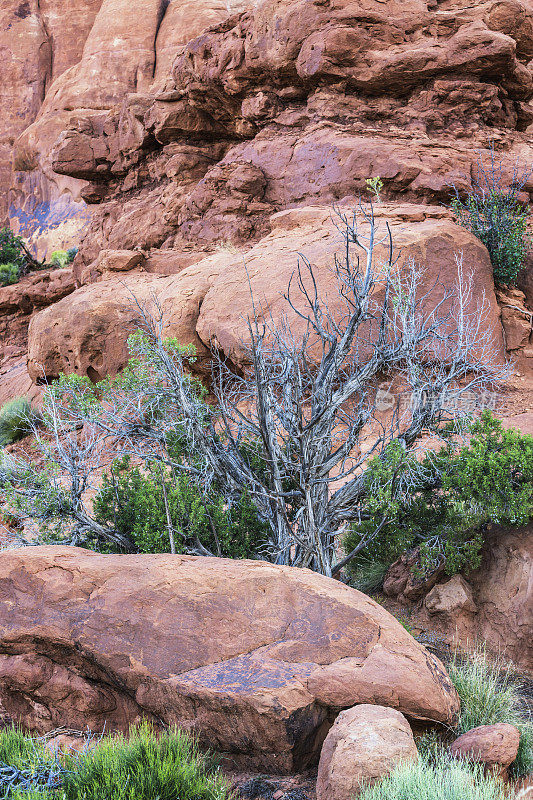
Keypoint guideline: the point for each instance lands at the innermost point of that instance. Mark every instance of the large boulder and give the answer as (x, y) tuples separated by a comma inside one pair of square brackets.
[(87, 332), (208, 303), (241, 652), (364, 744)]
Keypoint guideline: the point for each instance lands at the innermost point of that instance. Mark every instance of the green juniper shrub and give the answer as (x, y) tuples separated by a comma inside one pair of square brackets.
[(133, 502), (144, 766), (16, 419), (15, 258), (490, 693), (439, 777), (458, 493), (493, 212), (12, 249)]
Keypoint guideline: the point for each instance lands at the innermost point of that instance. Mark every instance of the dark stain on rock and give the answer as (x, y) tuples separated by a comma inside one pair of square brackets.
[(23, 10)]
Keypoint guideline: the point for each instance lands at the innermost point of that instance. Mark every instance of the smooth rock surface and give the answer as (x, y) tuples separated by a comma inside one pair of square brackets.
[(237, 651), (365, 744)]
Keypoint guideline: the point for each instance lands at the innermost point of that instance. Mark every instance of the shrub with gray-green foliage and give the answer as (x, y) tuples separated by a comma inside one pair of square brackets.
[(490, 693), (494, 212), (437, 778), (16, 419)]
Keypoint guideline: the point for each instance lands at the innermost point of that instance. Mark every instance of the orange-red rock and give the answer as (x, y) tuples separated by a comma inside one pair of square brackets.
[(207, 304), (492, 745), (233, 650), (365, 744)]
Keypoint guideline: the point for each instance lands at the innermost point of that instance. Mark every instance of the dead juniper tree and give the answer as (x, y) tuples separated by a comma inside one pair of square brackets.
[(300, 424)]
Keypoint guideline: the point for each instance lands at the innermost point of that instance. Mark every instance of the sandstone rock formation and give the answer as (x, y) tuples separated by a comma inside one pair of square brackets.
[(492, 745), (451, 597), (174, 127), (503, 593), (208, 303), (280, 103), (250, 656), (17, 304), (494, 605), (365, 744)]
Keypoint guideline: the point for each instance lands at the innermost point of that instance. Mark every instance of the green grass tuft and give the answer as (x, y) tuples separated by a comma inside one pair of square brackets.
[(144, 767), (490, 693), (367, 576)]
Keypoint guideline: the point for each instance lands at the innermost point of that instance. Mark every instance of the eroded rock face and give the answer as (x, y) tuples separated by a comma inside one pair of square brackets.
[(496, 604), (364, 744), (503, 593), (39, 41), (233, 650), (312, 96)]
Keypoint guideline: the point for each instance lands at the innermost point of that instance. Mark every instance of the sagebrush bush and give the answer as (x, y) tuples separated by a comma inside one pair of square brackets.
[(493, 212), (461, 491), (490, 693), (437, 778), (16, 417), (134, 502)]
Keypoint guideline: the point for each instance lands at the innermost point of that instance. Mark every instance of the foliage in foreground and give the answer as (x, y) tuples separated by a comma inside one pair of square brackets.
[(490, 693), (493, 212), (27, 768), (437, 778), (158, 505), (461, 490), (144, 766), (16, 420)]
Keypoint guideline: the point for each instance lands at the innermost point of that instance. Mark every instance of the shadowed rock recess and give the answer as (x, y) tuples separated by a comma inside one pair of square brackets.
[(255, 658)]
